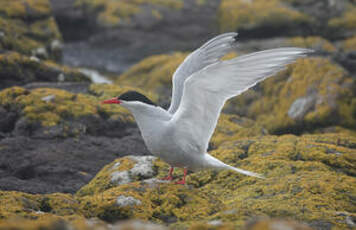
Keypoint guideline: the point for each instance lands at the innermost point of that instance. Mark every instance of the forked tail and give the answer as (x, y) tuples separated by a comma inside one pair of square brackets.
[(217, 164)]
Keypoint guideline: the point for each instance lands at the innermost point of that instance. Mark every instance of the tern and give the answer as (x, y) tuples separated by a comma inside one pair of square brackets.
[(201, 86)]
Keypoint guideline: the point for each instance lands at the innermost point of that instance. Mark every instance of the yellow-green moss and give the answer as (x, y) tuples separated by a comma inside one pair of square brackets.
[(62, 106), (102, 181), (346, 21), (308, 178), (314, 42), (311, 75), (27, 25), (237, 14), (19, 204), (20, 69), (349, 44), (113, 12)]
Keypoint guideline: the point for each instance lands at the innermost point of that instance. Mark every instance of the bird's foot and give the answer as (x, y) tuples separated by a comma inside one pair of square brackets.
[(180, 182), (167, 178)]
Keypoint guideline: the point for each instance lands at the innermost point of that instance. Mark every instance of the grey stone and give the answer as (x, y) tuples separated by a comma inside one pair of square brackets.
[(301, 107), (121, 177), (124, 201), (144, 166)]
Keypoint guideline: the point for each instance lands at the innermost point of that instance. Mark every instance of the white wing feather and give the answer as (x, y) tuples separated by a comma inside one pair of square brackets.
[(206, 91), (207, 54)]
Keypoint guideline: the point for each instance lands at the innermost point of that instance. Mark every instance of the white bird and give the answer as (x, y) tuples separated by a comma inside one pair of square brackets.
[(201, 86)]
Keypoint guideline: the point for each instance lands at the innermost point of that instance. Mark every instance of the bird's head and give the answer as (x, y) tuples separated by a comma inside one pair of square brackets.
[(129, 99)]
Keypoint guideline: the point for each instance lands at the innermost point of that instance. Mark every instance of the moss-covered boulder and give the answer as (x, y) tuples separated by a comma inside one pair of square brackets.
[(239, 15), (18, 69), (311, 94), (52, 140), (113, 13), (28, 27), (308, 178), (345, 24)]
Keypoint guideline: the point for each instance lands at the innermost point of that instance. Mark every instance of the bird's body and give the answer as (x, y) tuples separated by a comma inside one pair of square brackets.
[(201, 85)]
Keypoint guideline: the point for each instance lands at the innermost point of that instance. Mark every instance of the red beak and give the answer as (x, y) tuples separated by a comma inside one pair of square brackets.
[(111, 101)]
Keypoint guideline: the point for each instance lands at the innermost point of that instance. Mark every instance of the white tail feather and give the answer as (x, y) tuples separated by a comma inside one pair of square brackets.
[(212, 162)]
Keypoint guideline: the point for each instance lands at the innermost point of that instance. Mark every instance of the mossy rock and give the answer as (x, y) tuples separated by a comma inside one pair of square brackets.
[(29, 28), (346, 23), (32, 206), (241, 15), (115, 13), (349, 44), (310, 94), (51, 107), (313, 42), (18, 69), (308, 178), (314, 173)]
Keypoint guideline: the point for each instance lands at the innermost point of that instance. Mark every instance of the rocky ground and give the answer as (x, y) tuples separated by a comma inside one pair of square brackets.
[(67, 162)]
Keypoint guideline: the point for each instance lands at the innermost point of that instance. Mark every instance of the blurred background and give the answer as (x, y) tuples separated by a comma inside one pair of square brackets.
[(68, 162)]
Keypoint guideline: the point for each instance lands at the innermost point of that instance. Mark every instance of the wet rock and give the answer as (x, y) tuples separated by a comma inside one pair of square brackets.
[(17, 69)]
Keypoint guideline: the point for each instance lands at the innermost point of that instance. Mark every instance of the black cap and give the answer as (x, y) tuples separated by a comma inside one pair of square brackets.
[(135, 96)]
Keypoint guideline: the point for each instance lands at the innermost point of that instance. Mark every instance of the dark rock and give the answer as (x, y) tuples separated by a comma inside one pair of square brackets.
[(60, 165), (117, 47)]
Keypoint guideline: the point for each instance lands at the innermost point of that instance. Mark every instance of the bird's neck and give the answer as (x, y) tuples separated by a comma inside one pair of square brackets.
[(149, 118)]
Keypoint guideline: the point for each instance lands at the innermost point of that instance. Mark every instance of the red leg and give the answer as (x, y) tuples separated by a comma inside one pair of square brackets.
[(183, 180), (169, 177)]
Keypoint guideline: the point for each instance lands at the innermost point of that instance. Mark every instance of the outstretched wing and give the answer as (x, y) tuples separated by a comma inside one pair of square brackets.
[(206, 55), (206, 91)]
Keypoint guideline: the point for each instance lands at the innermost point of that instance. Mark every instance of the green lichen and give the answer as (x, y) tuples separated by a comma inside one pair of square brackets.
[(314, 42), (239, 14), (112, 13)]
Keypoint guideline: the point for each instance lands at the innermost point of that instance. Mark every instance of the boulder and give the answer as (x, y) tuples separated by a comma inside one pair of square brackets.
[(53, 140), (28, 27), (17, 69)]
